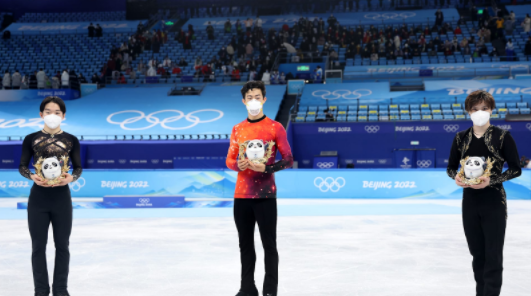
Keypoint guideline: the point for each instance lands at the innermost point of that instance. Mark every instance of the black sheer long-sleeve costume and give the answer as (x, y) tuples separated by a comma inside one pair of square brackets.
[(484, 210), (40, 144)]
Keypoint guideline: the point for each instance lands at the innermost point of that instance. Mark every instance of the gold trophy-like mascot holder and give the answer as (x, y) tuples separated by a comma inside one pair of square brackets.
[(263, 160), (64, 169), (474, 181)]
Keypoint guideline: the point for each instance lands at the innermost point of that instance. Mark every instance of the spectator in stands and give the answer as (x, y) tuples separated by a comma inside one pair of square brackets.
[(65, 79), (166, 62), (527, 49), (266, 77), (461, 21), (248, 25), (332, 20), (228, 26), (499, 27), (140, 28), (98, 30), (258, 22), (73, 80), (182, 62), (235, 76), (509, 48), (457, 31), (187, 43), (210, 31), (16, 80), (82, 78), (333, 55), (96, 79), (151, 72), (176, 70), (476, 53), (526, 24), (509, 26), (6, 80), (33, 80), (493, 53), (249, 50), (41, 79), (198, 63), (122, 80), (439, 17), (90, 30), (282, 78), (480, 42)]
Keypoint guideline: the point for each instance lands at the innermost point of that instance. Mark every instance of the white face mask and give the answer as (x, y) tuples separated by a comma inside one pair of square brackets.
[(254, 107), (52, 121), (480, 118)]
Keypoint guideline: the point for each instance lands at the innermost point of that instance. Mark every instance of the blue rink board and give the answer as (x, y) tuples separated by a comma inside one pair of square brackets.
[(291, 183)]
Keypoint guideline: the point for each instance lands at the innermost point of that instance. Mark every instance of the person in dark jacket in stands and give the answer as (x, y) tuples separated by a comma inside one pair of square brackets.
[(82, 78), (98, 30), (16, 80), (33, 80), (96, 79), (90, 30), (527, 49)]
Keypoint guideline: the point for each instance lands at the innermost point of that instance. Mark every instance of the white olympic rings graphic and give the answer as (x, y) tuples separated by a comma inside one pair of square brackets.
[(528, 126), (451, 128), (151, 118), (423, 163), (390, 15), (341, 93), (77, 185), (143, 200), (325, 165), (371, 129), (329, 184)]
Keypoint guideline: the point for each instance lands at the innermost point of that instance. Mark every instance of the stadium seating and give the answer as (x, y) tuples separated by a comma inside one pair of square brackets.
[(404, 112)]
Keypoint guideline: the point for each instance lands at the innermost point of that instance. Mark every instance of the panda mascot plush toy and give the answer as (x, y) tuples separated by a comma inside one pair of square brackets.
[(51, 168), (474, 167), (255, 150)]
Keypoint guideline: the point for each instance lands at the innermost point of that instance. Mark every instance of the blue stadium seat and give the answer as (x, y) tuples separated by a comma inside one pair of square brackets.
[(352, 107), (362, 118), (521, 105), (446, 106), (383, 107), (456, 106), (414, 107), (425, 107), (511, 105), (373, 107), (500, 105), (435, 106), (514, 111), (525, 110), (405, 117), (415, 117), (403, 107), (447, 112), (373, 117), (362, 113), (427, 117), (299, 119), (437, 117), (384, 113), (460, 116), (352, 118), (448, 117), (341, 118)]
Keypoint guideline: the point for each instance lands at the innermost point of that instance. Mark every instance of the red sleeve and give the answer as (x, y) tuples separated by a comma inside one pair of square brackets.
[(284, 149), (232, 156)]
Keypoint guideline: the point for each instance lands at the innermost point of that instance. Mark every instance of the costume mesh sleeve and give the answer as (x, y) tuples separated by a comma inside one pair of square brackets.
[(75, 157), (510, 154), (27, 153), (453, 160), (284, 149)]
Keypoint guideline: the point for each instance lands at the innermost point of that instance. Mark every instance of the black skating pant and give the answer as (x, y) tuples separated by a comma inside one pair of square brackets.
[(50, 205), (247, 213)]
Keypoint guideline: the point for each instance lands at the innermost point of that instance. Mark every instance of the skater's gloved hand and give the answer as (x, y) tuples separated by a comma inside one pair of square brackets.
[(243, 164), (459, 182), (39, 181), (485, 181), (257, 167), (65, 179)]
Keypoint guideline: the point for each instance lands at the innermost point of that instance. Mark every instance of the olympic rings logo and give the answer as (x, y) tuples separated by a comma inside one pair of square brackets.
[(325, 165), (341, 93), (77, 185), (143, 200), (372, 129), (329, 183), (423, 163), (451, 128), (528, 126), (153, 120), (390, 15)]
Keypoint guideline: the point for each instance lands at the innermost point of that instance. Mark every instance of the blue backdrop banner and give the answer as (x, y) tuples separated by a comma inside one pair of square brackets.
[(346, 93), (140, 111), (334, 183), (69, 28), (345, 19), (13, 95), (371, 144)]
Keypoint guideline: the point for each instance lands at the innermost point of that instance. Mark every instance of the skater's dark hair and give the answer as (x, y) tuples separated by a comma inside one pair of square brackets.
[(477, 97), (253, 85), (55, 100)]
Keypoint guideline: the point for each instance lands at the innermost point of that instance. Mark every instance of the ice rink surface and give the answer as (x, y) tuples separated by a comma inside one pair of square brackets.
[(326, 247)]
